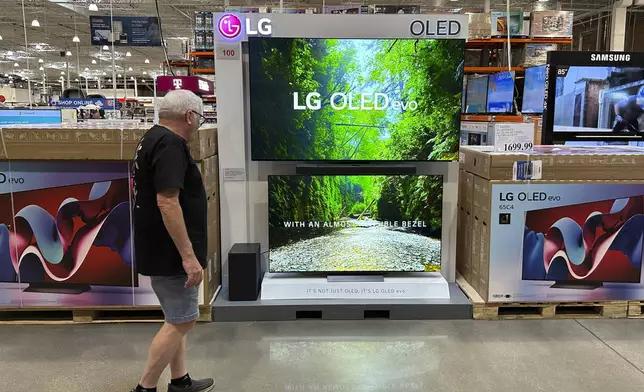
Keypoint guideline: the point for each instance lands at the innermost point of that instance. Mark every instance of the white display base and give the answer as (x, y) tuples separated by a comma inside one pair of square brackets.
[(412, 286)]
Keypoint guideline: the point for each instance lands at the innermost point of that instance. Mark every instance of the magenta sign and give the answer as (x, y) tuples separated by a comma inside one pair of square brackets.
[(229, 26), (195, 84)]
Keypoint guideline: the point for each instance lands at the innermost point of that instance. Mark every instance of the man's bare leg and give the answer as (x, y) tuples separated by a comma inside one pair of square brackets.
[(178, 367), (162, 350)]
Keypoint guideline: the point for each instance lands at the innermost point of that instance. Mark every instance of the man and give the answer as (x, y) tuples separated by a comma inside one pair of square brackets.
[(629, 111), (170, 235)]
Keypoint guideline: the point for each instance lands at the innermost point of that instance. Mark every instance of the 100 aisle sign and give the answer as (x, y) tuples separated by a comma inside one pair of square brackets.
[(227, 51)]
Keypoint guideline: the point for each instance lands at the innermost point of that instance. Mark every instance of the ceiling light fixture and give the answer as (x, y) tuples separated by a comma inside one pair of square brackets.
[(76, 39), (9, 53), (118, 76), (93, 61), (16, 65), (147, 61), (75, 80), (105, 47), (0, 38), (41, 68), (69, 53), (41, 61), (145, 73), (93, 7), (132, 78), (38, 47), (35, 23), (104, 73), (129, 69), (128, 54), (86, 69), (62, 72)]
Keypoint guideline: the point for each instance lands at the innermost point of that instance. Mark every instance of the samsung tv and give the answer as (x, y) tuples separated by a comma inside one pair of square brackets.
[(585, 245), (64, 239), (364, 223), (476, 94), (594, 96), (318, 99), (534, 85), (500, 92)]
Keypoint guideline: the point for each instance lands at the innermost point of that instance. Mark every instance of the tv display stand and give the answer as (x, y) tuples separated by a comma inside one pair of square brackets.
[(57, 288), (576, 285)]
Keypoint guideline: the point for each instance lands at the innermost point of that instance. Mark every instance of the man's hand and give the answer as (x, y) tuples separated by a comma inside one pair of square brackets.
[(193, 269)]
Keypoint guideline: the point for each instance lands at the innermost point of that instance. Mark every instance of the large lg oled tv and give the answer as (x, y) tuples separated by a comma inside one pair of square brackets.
[(534, 86), (476, 94), (585, 244), (365, 223), (314, 99), (67, 238), (500, 92), (594, 96)]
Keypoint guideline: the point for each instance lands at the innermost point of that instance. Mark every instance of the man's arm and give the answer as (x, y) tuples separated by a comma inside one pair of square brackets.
[(172, 214)]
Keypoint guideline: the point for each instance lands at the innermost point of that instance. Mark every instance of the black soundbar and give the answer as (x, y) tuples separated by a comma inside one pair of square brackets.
[(354, 169)]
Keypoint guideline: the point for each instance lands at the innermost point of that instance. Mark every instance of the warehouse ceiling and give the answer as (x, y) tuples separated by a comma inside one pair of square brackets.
[(61, 20)]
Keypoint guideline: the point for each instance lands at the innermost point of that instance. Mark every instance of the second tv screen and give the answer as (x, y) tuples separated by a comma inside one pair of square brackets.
[(355, 99), (355, 223)]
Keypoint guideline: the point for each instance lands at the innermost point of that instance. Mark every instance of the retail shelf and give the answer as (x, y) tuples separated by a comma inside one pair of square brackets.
[(210, 71), (541, 40), (499, 118), (202, 54), (484, 70)]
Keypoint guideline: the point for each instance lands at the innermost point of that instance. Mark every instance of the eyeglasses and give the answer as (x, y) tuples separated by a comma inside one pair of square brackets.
[(201, 116)]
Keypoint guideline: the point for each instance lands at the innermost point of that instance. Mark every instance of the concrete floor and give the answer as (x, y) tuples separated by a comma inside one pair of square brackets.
[(472, 356)]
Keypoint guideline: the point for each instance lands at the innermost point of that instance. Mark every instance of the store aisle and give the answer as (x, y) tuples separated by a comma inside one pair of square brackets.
[(554, 355)]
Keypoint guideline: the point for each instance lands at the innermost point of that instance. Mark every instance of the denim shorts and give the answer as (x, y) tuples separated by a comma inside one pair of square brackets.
[(180, 305)]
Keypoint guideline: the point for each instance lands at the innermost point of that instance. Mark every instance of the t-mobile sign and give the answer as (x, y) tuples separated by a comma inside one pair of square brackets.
[(192, 83)]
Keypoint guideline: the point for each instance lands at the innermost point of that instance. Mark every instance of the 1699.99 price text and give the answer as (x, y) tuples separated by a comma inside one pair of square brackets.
[(517, 146)]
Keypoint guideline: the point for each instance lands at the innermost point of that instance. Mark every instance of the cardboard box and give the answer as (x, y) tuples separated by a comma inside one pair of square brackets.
[(87, 141), (558, 162), (561, 240), (212, 275), (551, 24)]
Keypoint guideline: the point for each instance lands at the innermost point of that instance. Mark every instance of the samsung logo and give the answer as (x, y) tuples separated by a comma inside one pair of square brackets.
[(610, 57)]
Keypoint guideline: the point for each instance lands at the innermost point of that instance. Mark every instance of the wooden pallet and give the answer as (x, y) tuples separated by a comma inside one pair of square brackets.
[(60, 316), (542, 310), (635, 309)]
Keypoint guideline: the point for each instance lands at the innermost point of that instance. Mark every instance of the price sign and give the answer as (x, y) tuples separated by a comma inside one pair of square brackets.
[(227, 51), (513, 137)]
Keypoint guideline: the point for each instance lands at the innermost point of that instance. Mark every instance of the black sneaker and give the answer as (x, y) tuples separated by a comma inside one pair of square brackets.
[(203, 385)]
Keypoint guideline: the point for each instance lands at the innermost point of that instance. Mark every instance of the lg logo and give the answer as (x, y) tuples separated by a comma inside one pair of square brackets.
[(230, 27)]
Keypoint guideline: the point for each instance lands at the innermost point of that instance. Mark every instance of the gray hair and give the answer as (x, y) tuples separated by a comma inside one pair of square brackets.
[(176, 103)]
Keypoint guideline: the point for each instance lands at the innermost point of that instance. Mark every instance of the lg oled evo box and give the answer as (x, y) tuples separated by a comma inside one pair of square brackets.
[(88, 141), (66, 236), (555, 163), (556, 240)]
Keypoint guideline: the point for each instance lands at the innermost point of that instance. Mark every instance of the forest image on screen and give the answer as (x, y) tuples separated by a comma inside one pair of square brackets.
[(355, 223), (355, 99)]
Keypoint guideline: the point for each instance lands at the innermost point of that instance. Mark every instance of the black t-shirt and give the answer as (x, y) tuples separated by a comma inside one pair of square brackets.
[(163, 161)]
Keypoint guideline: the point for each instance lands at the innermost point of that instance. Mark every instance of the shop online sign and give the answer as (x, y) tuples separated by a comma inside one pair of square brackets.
[(74, 103)]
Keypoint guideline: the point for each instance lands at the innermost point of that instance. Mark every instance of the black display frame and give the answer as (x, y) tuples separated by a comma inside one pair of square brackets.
[(557, 59)]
